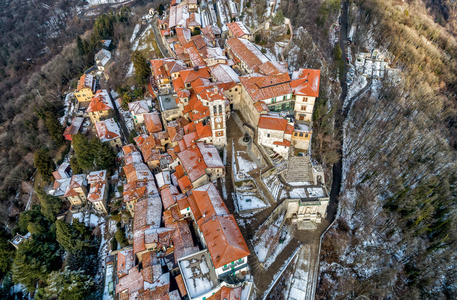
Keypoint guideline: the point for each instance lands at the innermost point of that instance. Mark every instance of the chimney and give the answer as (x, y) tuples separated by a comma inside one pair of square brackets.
[(196, 68)]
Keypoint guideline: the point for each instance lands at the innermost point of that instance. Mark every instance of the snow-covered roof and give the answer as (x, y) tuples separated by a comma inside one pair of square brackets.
[(163, 178), (139, 107), (108, 130), (148, 212), (198, 274), (223, 73), (102, 57), (96, 176), (60, 187), (210, 155)]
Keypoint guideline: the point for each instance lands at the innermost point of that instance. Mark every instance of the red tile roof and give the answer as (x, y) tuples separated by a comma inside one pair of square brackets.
[(306, 82), (284, 143), (100, 102), (272, 122), (153, 122), (227, 293), (203, 131), (224, 240), (247, 52), (266, 87), (238, 29), (132, 282), (193, 163), (184, 184), (206, 203), (181, 286), (169, 196)]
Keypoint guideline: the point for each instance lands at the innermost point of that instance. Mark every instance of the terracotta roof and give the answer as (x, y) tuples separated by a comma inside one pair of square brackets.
[(192, 21), (305, 82), (272, 122), (247, 52), (108, 130), (175, 132), (100, 102), (125, 261), (211, 155), (183, 203), (238, 29), (97, 192), (148, 149), (62, 171), (148, 212), (132, 282), (171, 216), (169, 196), (137, 172), (193, 163), (77, 182), (224, 240), (226, 293), (153, 122), (131, 154), (73, 128), (195, 56), (198, 41), (139, 107), (183, 35), (206, 203), (191, 74), (181, 286), (266, 87), (272, 68), (289, 129), (86, 81), (203, 131), (283, 143), (190, 139), (260, 106), (184, 184)]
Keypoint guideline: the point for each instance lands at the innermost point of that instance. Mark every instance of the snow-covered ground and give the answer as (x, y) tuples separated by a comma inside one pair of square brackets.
[(264, 242), (276, 251), (69, 108), (249, 202)]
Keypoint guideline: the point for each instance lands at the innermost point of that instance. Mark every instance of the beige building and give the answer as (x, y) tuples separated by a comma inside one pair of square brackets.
[(306, 213), (108, 131), (85, 90), (305, 85), (98, 192), (76, 192), (276, 133), (100, 107)]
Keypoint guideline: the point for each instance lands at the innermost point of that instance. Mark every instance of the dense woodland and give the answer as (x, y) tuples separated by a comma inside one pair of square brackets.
[(60, 261), (395, 236)]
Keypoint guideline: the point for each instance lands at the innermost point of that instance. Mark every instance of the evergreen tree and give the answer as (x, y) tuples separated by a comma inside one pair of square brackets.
[(74, 165), (105, 156), (141, 66), (44, 163), (73, 238), (83, 152), (50, 205), (6, 253), (278, 19), (67, 284), (161, 9), (55, 129), (33, 261), (337, 53), (120, 237), (80, 45)]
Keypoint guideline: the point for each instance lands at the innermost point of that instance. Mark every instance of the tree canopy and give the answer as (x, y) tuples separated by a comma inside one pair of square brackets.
[(141, 66), (50, 205), (44, 163)]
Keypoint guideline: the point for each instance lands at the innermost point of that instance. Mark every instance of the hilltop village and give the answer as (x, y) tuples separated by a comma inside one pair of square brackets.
[(171, 181)]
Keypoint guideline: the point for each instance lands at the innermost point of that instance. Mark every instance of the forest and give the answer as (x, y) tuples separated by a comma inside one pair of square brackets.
[(395, 234)]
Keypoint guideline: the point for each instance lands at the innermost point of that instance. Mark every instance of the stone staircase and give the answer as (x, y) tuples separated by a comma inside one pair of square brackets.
[(299, 169)]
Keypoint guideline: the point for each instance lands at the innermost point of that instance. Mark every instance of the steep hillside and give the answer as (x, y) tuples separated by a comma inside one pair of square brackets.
[(396, 229)]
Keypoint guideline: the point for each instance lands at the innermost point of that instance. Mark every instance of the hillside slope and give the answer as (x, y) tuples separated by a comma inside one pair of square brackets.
[(396, 230)]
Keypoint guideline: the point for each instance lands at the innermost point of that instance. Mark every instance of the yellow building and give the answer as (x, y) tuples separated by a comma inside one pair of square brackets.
[(76, 192), (85, 90), (100, 107)]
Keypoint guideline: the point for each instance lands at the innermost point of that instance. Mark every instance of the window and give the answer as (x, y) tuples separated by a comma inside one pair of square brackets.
[(305, 99), (273, 100), (268, 135), (236, 89), (214, 109), (303, 107), (301, 134), (220, 109)]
